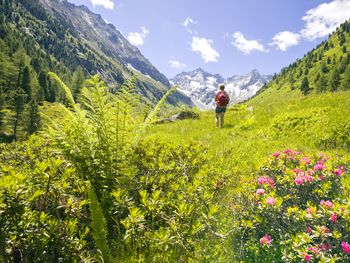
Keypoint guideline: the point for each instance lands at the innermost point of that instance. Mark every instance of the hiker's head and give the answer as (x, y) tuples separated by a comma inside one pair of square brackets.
[(221, 86)]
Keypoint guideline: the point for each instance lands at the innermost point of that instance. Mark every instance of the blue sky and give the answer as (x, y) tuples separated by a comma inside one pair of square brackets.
[(223, 36)]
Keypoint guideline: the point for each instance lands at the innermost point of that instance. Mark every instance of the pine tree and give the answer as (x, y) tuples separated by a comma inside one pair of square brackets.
[(77, 83), (19, 107), (33, 122), (305, 89), (334, 80), (321, 84), (2, 108), (26, 83), (292, 81), (345, 84)]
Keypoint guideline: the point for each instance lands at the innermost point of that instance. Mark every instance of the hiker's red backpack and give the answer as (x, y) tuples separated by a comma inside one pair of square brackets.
[(222, 99)]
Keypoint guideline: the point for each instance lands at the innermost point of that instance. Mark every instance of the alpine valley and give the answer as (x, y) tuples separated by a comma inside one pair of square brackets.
[(89, 173), (201, 86)]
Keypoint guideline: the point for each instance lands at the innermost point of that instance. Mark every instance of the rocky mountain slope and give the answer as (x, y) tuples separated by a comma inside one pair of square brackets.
[(60, 36), (201, 86)]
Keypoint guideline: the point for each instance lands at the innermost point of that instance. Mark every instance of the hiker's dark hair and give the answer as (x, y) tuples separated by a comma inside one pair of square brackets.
[(221, 86)]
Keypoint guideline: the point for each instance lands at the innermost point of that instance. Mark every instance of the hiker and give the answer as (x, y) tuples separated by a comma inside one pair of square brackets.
[(221, 99)]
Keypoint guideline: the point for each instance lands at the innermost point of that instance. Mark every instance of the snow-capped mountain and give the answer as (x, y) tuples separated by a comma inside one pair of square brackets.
[(201, 86)]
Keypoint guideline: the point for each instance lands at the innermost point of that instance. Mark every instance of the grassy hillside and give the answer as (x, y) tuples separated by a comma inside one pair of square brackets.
[(272, 121), (325, 68)]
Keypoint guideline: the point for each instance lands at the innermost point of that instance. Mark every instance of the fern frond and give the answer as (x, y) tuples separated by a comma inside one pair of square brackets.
[(98, 225), (152, 115), (66, 90)]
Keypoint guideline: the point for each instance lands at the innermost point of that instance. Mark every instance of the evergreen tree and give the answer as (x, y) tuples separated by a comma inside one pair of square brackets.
[(77, 83), (19, 107), (292, 81), (44, 89), (321, 84), (345, 84), (2, 108), (324, 68), (33, 121), (334, 80), (305, 89), (26, 83)]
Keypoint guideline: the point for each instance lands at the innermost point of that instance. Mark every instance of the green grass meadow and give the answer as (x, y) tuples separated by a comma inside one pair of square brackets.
[(273, 121)]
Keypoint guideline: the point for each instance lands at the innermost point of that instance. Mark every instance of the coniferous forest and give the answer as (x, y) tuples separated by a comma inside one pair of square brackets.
[(88, 173)]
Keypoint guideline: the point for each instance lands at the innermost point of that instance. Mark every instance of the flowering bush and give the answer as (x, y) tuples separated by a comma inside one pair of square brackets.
[(296, 210)]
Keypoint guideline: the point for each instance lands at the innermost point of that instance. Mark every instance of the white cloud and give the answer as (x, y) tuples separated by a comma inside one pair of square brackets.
[(177, 64), (104, 3), (189, 21), (325, 18), (137, 38), (284, 40), (204, 48), (246, 45)]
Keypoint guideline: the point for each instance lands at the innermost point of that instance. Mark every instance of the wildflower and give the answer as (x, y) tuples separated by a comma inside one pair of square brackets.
[(310, 210), (346, 247), (308, 230), (325, 246), (299, 180), (326, 204), (260, 191), (305, 160), (334, 218), (310, 172), (321, 177), (266, 240), (304, 178), (276, 154), (266, 180), (288, 151), (339, 171), (319, 167), (298, 171), (270, 201), (307, 257), (324, 229), (314, 250)]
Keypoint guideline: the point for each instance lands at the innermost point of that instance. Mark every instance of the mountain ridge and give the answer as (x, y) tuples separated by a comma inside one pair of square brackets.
[(201, 86)]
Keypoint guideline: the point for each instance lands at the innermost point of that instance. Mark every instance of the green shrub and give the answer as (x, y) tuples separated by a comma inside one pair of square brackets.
[(297, 209)]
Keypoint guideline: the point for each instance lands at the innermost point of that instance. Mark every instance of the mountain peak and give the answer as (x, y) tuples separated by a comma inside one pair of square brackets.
[(201, 86)]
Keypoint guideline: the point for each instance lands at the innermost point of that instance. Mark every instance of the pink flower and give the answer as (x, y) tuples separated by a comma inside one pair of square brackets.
[(266, 240), (325, 246), (321, 177), (324, 229), (299, 180), (334, 218), (288, 151), (276, 154), (346, 247), (298, 171), (339, 171), (310, 172), (266, 180), (307, 257), (270, 201), (305, 160), (326, 204), (319, 167), (304, 178), (314, 250), (260, 191), (309, 210), (309, 230)]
